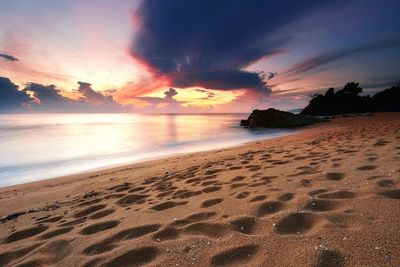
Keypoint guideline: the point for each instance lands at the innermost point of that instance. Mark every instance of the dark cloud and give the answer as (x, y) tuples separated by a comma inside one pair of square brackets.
[(8, 57), (37, 97), (170, 93), (209, 93), (91, 96), (271, 75), (163, 104), (220, 79), (47, 95), (208, 43), (11, 99), (167, 99), (323, 59)]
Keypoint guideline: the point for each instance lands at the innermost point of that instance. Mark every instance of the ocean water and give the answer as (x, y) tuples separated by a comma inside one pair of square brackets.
[(41, 146)]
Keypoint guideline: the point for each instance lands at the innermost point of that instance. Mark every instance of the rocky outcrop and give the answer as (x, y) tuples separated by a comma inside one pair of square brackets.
[(273, 118), (348, 101)]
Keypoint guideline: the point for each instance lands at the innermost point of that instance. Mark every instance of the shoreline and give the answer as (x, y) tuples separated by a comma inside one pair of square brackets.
[(156, 160), (325, 196), (284, 133)]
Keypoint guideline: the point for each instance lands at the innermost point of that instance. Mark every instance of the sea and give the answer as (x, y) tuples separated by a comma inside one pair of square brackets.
[(40, 146)]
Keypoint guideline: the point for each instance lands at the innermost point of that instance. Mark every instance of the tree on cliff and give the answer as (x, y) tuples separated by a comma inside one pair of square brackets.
[(348, 100)]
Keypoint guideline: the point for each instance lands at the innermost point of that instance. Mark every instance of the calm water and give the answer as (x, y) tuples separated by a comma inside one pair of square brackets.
[(34, 147)]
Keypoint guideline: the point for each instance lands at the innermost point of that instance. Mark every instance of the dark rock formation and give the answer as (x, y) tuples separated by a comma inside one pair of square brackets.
[(386, 101), (272, 118), (348, 101)]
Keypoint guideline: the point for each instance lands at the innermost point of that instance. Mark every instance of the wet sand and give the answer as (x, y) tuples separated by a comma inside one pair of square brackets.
[(327, 196)]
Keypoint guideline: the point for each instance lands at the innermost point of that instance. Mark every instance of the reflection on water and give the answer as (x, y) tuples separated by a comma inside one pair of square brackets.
[(34, 147)]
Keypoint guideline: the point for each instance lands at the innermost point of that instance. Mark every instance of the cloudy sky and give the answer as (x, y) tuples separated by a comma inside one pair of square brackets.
[(191, 56)]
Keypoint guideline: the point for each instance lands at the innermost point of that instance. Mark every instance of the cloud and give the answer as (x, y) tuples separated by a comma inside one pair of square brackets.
[(166, 100), (170, 93), (331, 56), (209, 93), (166, 104), (271, 75), (220, 80), (47, 95), (8, 57), (209, 43), (37, 97), (91, 96), (11, 99)]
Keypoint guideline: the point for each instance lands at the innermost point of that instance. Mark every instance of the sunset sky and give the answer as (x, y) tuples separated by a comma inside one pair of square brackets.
[(191, 56)]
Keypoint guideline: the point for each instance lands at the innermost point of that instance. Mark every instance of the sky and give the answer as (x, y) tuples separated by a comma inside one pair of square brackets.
[(180, 56)]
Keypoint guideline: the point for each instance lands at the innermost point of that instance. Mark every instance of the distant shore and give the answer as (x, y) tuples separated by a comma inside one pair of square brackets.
[(326, 196)]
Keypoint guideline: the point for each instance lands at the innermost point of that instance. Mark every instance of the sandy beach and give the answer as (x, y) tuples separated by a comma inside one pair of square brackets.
[(326, 196)]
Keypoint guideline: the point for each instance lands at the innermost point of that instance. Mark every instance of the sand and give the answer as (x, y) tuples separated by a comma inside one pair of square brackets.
[(327, 196)]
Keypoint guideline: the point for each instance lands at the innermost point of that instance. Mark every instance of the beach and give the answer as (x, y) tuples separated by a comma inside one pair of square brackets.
[(328, 195)]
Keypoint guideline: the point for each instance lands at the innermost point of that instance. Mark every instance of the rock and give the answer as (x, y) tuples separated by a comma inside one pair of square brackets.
[(272, 118), (12, 216), (90, 194)]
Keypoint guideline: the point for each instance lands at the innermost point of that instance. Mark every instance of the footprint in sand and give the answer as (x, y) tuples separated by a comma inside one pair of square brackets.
[(186, 194), (320, 205), (242, 195), (337, 195), (101, 214), (73, 222), (25, 233), (211, 189), (196, 217), (50, 254), (269, 207), (286, 197), (235, 168), (295, 223), (89, 210), (114, 196), (99, 227), (237, 185), (213, 230), (244, 224), (166, 193), (56, 232), (386, 183), (212, 182), (327, 258), (211, 202), (168, 233), (8, 256), (135, 257), (258, 198), (167, 205), (367, 168), (381, 143), (94, 262), (392, 194), (305, 182), (49, 220), (137, 189), (238, 178), (127, 234), (119, 188), (235, 256), (193, 180), (130, 199), (334, 176), (90, 202)]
